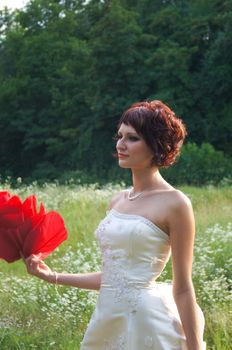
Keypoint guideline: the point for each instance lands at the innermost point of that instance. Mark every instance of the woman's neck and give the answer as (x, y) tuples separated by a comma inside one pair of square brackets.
[(147, 179)]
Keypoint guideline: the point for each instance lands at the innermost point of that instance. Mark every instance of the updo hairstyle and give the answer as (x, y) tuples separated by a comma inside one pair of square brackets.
[(161, 129)]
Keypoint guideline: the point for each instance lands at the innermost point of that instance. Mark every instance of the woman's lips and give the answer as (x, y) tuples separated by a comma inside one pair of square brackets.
[(122, 156)]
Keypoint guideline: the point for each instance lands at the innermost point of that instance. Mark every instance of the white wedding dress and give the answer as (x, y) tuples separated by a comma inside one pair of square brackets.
[(133, 311)]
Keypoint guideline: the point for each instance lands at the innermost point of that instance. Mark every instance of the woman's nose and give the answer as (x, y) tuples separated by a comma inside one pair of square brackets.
[(121, 144)]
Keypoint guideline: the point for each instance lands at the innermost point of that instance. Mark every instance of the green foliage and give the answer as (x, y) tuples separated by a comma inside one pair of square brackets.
[(69, 68), (200, 165)]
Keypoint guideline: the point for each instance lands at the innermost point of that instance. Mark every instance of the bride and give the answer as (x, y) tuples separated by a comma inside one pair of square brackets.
[(143, 226)]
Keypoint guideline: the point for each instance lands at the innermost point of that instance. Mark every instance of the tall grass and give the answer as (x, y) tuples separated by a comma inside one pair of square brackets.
[(35, 315)]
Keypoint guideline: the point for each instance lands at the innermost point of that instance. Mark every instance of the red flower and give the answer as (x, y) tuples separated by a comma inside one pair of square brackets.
[(23, 229), (10, 210)]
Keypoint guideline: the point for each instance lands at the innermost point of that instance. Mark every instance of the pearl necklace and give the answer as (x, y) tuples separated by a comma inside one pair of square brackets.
[(131, 197)]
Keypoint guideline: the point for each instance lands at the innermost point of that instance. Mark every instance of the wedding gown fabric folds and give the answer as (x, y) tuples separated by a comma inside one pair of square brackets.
[(133, 311)]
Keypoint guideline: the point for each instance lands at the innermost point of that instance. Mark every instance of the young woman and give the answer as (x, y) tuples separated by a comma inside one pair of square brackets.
[(144, 224)]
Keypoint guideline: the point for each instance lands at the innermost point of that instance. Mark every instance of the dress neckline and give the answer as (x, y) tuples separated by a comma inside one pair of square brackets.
[(142, 218)]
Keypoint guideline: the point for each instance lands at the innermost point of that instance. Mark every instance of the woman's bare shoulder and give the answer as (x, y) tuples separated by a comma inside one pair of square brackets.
[(179, 200), (117, 197)]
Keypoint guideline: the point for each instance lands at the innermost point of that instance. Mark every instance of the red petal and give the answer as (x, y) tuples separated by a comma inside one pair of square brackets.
[(29, 206), (4, 197), (31, 216), (46, 236), (41, 209), (10, 245), (11, 211), (24, 229)]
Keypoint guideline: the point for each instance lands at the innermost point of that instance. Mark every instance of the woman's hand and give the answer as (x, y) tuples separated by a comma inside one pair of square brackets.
[(37, 267)]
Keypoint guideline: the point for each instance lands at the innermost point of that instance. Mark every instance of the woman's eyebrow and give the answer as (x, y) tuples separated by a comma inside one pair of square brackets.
[(128, 133)]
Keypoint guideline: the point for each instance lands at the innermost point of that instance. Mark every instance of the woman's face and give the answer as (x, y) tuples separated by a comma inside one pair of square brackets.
[(133, 152)]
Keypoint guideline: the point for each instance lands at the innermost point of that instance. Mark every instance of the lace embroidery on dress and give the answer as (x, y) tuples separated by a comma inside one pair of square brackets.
[(148, 341), (118, 343), (114, 269)]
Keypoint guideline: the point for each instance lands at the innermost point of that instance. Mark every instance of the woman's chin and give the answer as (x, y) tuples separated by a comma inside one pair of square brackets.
[(123, 164)]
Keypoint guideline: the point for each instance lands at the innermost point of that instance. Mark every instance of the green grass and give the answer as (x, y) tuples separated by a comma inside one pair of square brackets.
[(211, 205), (34, 316)]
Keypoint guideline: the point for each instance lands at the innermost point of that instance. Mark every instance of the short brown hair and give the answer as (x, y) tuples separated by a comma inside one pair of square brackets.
[(161, 129)]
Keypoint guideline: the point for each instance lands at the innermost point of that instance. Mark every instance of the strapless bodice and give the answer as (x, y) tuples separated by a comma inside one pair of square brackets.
[(134, 250)]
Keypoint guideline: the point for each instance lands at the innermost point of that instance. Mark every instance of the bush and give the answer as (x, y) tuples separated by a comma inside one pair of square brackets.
[(199, 165)]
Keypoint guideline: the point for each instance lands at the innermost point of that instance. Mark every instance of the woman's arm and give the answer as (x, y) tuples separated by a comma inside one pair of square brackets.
[(91, 280), (37, 267), (182, 232)]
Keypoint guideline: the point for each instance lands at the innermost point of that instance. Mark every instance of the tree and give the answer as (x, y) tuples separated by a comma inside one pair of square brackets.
[(68, 69), (216, 87), (117, 79), (42, 91)]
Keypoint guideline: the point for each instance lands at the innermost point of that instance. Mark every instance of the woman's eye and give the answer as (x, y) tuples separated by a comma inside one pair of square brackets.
[(117, 137), (133, 138), (127, 138)]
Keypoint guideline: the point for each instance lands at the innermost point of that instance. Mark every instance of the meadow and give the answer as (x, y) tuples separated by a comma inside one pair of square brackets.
[(37, 315)]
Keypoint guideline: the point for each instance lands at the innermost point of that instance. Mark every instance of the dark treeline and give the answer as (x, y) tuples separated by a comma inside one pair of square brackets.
[(69, 68)]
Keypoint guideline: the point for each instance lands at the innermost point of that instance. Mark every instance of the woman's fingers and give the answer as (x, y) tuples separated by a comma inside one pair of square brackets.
[(36, 267), (32, 263)]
